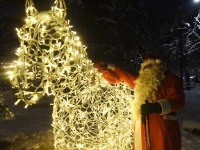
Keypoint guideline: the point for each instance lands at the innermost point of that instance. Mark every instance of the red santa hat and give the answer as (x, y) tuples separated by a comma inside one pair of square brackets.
[(152, 56)]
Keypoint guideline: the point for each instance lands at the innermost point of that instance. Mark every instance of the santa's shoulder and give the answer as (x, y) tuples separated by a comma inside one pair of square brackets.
[(171, 75)]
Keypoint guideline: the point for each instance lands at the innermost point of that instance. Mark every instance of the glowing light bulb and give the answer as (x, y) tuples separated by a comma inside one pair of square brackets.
[(17, 102)]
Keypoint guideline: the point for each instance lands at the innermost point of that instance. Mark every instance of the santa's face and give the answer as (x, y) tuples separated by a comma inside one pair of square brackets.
[(149, 66), (149, 70), (150, 77)]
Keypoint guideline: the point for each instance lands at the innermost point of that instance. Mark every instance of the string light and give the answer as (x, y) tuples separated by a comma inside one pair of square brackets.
[(87, 114)]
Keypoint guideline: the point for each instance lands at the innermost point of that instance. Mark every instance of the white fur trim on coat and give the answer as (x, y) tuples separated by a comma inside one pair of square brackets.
[(138, 136), (111, 67), (170, 117), (166, 106)]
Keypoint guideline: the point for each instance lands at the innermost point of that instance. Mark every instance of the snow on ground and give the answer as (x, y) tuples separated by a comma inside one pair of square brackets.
[(189, 117), (31, 128)]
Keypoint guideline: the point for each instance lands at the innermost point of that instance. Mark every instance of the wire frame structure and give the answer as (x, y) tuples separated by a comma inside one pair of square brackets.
[(88, 113)]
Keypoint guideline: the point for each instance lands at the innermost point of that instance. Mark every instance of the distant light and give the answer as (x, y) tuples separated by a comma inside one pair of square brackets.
[(196, 1)]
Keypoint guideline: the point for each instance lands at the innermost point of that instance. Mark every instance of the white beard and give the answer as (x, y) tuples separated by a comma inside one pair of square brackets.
[(146, 86)]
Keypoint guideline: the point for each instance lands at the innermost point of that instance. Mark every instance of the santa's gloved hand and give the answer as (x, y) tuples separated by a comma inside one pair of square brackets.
[(149, 108), (107, 71), (101, 65)]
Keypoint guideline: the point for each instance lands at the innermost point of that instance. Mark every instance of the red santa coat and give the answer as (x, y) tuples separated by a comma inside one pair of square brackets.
[(164, 129)]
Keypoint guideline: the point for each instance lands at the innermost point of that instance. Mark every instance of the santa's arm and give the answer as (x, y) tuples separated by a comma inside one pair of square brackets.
[(126, 76), (114, 74), (175, 99)]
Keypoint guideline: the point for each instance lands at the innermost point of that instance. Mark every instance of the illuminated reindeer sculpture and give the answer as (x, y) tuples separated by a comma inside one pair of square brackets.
[(87, 115)]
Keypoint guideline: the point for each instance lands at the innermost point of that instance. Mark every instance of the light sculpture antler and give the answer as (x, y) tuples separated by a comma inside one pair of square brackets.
[(87, 115)]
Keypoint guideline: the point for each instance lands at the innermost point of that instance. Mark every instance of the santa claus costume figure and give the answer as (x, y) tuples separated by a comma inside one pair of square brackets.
[(158, 94)]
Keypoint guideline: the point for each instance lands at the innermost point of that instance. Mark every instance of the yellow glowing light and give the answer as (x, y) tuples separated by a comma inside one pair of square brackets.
[(19, 63), (52, 60), (10, 72), (17, 102)]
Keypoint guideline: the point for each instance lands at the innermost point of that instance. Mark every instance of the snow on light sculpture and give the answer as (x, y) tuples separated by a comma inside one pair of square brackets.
[(87, 114)]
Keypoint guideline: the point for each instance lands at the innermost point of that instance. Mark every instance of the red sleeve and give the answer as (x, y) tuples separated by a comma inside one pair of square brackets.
[(175, 93), (125, 76), (110, 76), (116, 74)]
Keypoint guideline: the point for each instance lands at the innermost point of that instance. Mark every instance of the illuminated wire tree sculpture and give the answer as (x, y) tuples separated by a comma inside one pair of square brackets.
[(87, 114)]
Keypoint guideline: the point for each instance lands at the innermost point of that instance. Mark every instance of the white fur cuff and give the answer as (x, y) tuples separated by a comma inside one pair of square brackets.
[(166, 106), (111, 67)]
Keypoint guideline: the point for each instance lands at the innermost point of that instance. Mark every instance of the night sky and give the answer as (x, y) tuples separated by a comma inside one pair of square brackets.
[(18, 6), (155, 6), (152, 7), (148, 4)]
